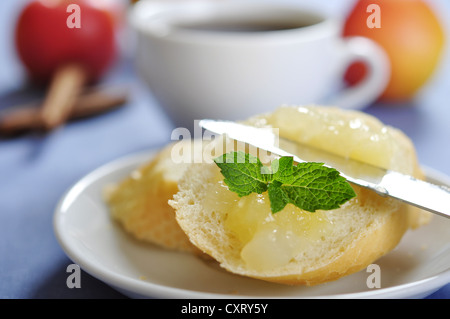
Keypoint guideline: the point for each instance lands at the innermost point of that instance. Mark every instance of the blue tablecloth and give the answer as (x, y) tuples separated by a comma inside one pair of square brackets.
[(35, 171)]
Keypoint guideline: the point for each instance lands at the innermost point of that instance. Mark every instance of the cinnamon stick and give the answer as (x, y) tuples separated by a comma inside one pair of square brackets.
[(89, 103), (66, 85)]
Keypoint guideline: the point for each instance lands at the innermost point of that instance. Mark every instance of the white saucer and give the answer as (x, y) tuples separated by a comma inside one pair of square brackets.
[(419, 266)]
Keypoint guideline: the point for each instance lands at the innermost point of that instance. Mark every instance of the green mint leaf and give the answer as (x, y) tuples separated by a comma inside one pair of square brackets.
[(243, 173), (309, 186), (278, 198), (283, 169)]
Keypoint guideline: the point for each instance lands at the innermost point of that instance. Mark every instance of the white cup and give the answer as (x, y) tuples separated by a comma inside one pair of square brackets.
[(195, 71)]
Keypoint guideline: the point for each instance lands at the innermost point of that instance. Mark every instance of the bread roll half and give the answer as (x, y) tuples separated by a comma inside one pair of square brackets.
[(293, 246), (139, 203)]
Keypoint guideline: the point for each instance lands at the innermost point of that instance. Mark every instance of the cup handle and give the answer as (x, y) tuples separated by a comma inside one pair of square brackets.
[(372, 86)]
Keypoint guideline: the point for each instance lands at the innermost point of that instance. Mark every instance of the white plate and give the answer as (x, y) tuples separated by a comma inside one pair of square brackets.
[(419, 266)]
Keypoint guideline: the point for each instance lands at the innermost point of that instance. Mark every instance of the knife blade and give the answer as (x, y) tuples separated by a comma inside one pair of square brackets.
[(428, 196)]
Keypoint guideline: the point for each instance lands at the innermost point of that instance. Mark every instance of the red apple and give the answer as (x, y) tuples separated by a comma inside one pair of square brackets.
[(45, 41), (67, 44)]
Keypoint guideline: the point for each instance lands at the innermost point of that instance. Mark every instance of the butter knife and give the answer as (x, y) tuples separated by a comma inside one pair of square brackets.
[(422, 194)]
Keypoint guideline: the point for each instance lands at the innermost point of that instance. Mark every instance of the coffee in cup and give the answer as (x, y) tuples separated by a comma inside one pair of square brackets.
[(234, 59)]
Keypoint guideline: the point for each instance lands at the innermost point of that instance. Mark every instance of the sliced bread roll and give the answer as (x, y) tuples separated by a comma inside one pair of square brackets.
[(294, 246), (140, 202)]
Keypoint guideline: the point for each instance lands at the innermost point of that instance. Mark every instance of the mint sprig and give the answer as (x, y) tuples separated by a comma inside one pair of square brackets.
[(243, 173), (310, 186)]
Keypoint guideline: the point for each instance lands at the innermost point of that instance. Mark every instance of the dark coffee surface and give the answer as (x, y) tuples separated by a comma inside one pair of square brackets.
[(243, 26)]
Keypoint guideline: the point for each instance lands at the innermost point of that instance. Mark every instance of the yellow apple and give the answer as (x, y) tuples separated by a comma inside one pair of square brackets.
[(410, 33)]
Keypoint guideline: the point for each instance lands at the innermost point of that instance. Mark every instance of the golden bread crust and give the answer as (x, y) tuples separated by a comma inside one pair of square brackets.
[(140, 204)]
